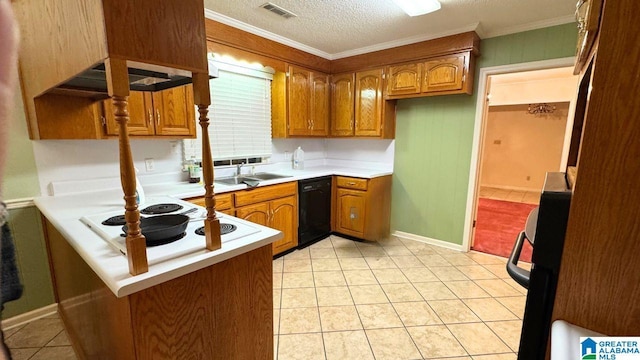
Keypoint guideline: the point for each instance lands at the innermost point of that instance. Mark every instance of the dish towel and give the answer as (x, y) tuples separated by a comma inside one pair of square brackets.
[(10, 286)]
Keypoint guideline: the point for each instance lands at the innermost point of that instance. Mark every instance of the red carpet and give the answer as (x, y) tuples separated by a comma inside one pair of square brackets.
[(498, 224)]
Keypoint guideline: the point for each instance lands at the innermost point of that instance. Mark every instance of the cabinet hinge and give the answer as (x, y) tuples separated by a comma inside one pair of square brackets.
[(464, 77)]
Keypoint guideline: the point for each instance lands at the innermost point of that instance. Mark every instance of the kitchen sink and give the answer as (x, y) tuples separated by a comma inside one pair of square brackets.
[(268, 176), (235, 180)]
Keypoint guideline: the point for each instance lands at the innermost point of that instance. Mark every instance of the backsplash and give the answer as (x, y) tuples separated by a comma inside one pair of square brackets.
[(79, 160)]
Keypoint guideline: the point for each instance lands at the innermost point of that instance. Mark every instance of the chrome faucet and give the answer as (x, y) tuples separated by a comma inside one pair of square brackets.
[(239, 169)]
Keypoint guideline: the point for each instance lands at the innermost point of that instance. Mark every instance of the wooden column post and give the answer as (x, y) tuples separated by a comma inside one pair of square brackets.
[(118, 85), (202, 99)]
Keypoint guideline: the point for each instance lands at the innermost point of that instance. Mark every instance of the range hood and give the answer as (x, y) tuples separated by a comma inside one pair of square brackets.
[(142, 77)]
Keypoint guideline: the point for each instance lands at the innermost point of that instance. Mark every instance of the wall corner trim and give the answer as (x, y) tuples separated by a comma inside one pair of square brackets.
[(19, 203), (430, 241), (29, 316)]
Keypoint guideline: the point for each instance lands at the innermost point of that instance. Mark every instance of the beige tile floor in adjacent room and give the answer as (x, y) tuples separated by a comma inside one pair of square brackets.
[(342, 299), (527, 197)]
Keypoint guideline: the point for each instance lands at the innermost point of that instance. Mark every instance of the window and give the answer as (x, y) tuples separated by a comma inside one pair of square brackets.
[(239, 115)]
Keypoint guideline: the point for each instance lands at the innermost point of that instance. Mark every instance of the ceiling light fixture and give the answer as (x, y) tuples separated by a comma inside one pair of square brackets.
[(540, 109), (418, 7)]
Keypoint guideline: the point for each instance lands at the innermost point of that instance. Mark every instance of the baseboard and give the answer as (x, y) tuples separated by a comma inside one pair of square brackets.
[(29, 316), (516, 188), (426, 240)]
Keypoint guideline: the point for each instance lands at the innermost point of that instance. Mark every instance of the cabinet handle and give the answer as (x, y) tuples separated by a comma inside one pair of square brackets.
[(312, 124), (351, 183), (103, 120), (157, 117), (150, 116)]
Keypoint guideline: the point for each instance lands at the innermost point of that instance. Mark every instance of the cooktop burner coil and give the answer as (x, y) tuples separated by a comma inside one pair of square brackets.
[(117, 220), (160, 209), (224, 229)]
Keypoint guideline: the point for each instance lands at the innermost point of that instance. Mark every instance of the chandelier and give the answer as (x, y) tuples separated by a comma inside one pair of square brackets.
[(539, 109)]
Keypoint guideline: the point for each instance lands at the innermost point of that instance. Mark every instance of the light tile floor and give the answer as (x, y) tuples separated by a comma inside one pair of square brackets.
[(395, 299), (527, 197), (42, 339), (342, 299)]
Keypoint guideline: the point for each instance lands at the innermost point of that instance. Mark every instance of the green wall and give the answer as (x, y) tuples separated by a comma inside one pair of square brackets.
[(20, 174), (21, 181), (31, 256), (434, 137)]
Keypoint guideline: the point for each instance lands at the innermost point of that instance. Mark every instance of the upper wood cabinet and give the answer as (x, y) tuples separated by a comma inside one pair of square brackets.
[(404, 79), (342, 104), (358, 107), (164, 113), (320, 97), (368, 103), (446, 75), (62, 39), (306, 112), (299, 101)]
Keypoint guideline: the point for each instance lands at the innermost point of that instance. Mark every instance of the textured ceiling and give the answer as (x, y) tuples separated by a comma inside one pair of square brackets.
[(338, 28)]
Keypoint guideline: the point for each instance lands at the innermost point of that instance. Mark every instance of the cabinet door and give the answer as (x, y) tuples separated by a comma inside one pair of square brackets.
[(258, 213), (140, 115), (351, 211), (320, 105), (284, 217), (174, 112), (299, 97), (404, 79), (368, 103), (445, 74), (342, 111)]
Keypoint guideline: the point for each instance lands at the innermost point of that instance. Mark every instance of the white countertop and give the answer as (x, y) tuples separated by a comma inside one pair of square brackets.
[(65, 211), (186, 190)]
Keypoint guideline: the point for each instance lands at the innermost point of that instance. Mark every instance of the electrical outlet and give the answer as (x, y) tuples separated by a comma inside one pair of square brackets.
[(287, 156), (148, 164)]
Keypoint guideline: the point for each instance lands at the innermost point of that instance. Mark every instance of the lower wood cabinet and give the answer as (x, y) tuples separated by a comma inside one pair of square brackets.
[(279, 214), (362, 207), (275, 206), (224, 203)]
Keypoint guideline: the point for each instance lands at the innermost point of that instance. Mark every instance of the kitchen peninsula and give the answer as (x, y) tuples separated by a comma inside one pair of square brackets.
[(178, 309)]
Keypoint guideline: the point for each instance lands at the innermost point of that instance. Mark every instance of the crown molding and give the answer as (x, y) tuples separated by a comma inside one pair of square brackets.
[(529, 26), (477, 27), (212, 15), (401, 42)]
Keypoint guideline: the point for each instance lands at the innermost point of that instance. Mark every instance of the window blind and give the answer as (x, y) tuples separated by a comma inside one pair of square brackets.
[(239, 115)]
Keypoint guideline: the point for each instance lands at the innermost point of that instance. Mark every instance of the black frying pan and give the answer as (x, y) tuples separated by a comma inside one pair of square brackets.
[(162, 229)]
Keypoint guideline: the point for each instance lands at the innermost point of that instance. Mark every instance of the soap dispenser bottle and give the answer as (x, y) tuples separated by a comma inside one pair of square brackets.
[(298, 159)]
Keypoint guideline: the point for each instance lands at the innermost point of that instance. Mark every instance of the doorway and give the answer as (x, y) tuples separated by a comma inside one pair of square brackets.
[(524, 133)]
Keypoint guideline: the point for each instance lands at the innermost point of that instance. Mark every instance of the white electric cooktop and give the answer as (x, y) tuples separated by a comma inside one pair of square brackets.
[(190, 243)]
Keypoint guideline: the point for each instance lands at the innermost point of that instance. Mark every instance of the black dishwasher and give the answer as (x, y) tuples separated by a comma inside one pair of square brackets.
[(314, 221)]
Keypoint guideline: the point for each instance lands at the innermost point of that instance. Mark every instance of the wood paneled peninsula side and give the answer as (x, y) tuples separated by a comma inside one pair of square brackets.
[(203, 305)]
